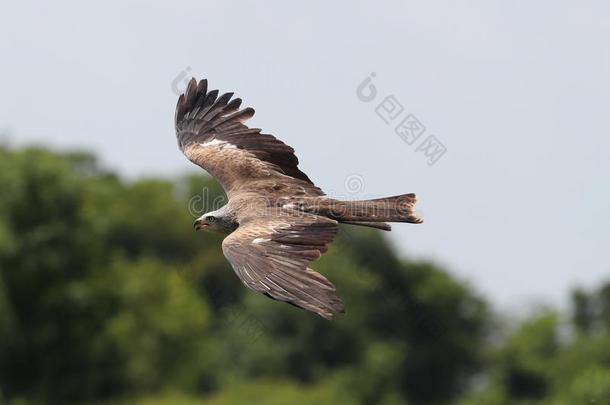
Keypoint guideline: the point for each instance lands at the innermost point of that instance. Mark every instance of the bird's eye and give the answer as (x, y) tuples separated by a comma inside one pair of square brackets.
[(211, 218)]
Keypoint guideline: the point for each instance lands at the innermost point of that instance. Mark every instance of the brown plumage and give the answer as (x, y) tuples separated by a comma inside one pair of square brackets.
[(278, 221)]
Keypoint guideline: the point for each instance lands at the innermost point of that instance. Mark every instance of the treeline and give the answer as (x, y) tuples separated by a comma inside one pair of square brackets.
[(107, 295)]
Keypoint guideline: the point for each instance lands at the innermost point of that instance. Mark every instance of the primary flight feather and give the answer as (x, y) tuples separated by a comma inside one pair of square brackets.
[(276, 219)]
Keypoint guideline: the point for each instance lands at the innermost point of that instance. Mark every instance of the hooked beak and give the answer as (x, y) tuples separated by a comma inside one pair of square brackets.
[(198, 224)]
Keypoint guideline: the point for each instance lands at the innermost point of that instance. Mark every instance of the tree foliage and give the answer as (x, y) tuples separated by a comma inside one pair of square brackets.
[(108, 296)]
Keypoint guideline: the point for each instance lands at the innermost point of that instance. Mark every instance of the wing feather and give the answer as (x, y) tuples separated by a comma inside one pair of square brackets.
[(211, 133), (271, 254)]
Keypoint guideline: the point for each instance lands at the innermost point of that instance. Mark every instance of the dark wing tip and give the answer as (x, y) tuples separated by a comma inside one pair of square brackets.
[(202, 114), (197, 97), (187, 98), (202, 87), (180, 109), (191, 91)]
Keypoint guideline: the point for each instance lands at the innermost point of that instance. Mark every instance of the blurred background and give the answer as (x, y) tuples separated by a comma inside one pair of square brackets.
[(494, 113)]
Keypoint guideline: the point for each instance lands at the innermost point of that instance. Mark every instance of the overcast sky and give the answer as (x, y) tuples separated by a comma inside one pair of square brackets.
[(518, 93)]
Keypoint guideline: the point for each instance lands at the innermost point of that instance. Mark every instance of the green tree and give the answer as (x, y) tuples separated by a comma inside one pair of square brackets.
[(107, 294)]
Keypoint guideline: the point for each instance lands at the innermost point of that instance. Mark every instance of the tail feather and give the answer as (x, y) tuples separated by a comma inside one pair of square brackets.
[(400, 208), (378, 225)]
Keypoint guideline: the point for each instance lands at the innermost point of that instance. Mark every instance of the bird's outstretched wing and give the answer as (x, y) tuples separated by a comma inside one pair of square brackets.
[(211, 134), (270, 254)]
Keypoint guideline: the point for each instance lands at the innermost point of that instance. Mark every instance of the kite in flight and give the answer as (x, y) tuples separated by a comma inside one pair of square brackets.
[(276, 219)]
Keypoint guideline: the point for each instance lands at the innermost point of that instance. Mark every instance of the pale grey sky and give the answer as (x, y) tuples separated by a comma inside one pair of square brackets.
[(518, 92)]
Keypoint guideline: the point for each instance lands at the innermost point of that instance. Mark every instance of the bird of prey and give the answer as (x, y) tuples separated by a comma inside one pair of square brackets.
[(276, 219)]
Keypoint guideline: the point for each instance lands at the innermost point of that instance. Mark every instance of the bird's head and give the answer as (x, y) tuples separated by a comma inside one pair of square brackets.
[(214, 221), (206, 221)]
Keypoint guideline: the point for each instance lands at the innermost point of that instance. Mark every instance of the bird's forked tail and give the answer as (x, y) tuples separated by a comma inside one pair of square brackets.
[(374, 213)]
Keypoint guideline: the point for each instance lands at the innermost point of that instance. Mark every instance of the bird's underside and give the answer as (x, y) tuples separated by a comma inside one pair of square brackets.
[(284, 222)]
